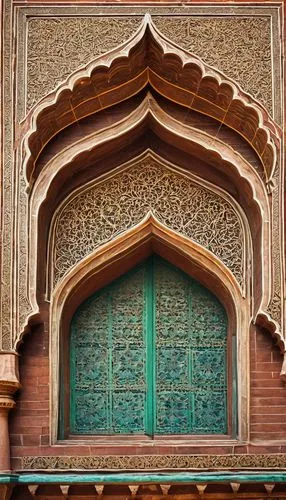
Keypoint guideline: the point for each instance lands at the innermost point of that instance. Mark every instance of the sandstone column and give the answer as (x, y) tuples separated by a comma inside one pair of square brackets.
[(9, 383)]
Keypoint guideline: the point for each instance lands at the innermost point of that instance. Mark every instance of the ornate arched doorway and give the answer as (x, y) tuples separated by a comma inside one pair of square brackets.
[(148, 355), (146, 159)]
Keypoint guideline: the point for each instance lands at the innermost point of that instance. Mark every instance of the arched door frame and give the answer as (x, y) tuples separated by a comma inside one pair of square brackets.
[(119, 255)]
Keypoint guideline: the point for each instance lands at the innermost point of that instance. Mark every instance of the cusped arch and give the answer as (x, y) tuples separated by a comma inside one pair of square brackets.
[(124, 252), (222, 154), (149, 58)]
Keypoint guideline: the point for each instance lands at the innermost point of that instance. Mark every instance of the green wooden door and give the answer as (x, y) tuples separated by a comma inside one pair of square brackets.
[(148, 356)]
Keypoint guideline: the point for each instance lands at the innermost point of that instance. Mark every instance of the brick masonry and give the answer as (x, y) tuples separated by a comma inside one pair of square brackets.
[(29, 422)]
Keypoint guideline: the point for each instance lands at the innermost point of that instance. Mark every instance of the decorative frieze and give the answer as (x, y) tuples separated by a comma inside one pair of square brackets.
[(148, 462)]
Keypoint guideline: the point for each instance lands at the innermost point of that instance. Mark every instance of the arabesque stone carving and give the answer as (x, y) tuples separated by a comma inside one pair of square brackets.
[(156, 462), (101, 212), (59, 46), (239, 47)]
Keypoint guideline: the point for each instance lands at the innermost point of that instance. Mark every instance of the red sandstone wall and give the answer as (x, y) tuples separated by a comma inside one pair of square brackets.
[(29, 422), (29, 429)]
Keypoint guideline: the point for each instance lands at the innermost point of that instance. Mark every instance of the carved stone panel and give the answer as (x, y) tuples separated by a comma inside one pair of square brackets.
[(238, 46), (157, 462), (106, 209), (59, 46)]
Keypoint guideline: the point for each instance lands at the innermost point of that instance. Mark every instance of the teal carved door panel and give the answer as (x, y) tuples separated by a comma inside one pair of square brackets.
[(108, 360), (191, 352), (148, 356)]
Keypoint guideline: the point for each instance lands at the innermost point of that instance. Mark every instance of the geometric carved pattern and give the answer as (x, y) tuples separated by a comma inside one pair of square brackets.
[(239, 47), (108, 208), (260, 461), (132, 372)]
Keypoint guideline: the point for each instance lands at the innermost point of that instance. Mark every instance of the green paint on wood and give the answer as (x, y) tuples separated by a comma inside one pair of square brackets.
[(148, 356)]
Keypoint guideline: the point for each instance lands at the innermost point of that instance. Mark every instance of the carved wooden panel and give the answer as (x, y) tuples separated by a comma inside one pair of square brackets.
[(108, 361), (148, 356), (190, 344)]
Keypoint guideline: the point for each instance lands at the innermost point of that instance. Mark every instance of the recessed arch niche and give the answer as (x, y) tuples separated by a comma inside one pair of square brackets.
[(226, 169), (117, 257), (240, 176), (242, 114)]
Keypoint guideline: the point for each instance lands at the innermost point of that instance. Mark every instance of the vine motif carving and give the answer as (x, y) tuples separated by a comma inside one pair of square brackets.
[(7, 187), (59, 46), (275, 304), (156, 462), (24, 303), (240, 47), (108, 208)]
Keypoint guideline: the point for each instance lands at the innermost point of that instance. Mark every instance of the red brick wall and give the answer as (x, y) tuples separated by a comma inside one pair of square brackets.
[(268, 392), (29, 422)]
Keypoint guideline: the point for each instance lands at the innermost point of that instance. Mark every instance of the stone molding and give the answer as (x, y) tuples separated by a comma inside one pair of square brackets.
[(9, 378), (9, 383)]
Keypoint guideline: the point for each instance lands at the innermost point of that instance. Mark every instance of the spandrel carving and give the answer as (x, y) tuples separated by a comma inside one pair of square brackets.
[(239, 47), (59, 46), (105, 210)]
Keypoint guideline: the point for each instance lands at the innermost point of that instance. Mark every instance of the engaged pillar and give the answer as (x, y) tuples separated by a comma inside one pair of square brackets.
[(9, 383)]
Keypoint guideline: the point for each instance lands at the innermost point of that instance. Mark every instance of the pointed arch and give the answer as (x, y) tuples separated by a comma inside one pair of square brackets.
[(103, 209), (150, 58), (124, 252), (221, 153)]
